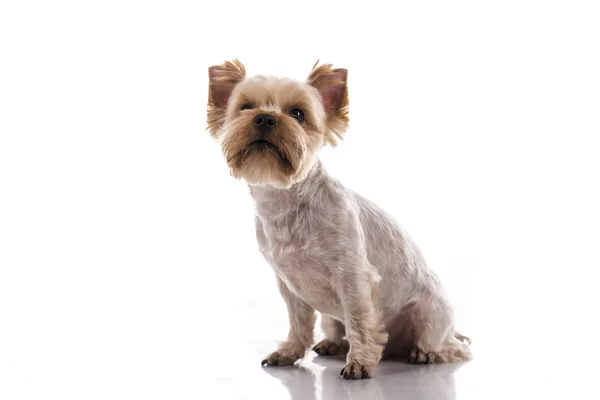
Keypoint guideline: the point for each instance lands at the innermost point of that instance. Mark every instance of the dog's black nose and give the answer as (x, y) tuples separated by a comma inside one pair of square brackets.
[(265, 121)]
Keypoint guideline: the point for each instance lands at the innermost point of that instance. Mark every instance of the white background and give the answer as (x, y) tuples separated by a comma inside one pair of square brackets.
[(128, 264)]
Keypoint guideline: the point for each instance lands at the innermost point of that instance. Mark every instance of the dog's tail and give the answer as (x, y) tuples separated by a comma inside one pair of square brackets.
[(454, 349), (462, 338)]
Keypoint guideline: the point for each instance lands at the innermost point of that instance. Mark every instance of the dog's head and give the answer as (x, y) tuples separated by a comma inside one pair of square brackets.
[(271, 129)]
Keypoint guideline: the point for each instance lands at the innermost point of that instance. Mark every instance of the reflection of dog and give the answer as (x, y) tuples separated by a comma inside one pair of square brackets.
[(332, 250)]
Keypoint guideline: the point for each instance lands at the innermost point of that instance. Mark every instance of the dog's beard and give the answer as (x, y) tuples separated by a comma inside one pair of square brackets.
[(273, 158), (262, 151)]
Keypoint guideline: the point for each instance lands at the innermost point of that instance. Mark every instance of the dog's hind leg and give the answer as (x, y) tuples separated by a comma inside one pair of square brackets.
[(435, 340), (334, 343)]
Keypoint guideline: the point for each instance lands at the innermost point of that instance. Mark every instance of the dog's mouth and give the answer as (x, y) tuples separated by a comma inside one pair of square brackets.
[(263, 146), (261, 143)]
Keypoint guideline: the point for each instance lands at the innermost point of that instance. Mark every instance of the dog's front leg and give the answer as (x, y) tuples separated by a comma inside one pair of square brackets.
[(364, 329), (300, 337)]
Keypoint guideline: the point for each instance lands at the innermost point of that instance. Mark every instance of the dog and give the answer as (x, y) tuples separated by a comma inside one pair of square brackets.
[(332, 251)]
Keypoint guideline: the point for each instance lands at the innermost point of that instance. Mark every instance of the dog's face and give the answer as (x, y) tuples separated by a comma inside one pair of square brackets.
[(271, 129)]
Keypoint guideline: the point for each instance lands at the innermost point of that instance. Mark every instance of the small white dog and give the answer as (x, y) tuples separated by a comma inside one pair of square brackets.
[(332, 250)]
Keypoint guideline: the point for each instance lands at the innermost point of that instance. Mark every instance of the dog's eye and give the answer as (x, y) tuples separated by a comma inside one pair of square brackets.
[(246, 106), (298, 114)]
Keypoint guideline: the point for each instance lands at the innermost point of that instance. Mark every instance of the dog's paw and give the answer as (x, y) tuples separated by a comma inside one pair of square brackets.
[(419, 356), (280, 359), (328, 348), (354, 370)]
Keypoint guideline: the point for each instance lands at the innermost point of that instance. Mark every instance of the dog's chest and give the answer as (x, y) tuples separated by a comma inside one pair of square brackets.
[(289, 247), (285, 237)]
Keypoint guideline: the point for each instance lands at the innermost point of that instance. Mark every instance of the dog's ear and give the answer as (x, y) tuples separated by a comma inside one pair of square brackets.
[(221, 81), (332, 86)]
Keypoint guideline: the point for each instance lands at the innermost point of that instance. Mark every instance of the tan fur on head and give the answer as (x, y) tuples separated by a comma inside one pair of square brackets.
[(285, 154)]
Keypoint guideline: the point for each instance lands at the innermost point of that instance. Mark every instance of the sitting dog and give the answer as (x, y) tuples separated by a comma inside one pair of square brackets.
[(332, 250)]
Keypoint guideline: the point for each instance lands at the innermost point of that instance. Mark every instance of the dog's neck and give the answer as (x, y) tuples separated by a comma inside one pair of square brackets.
[(273, 202)]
